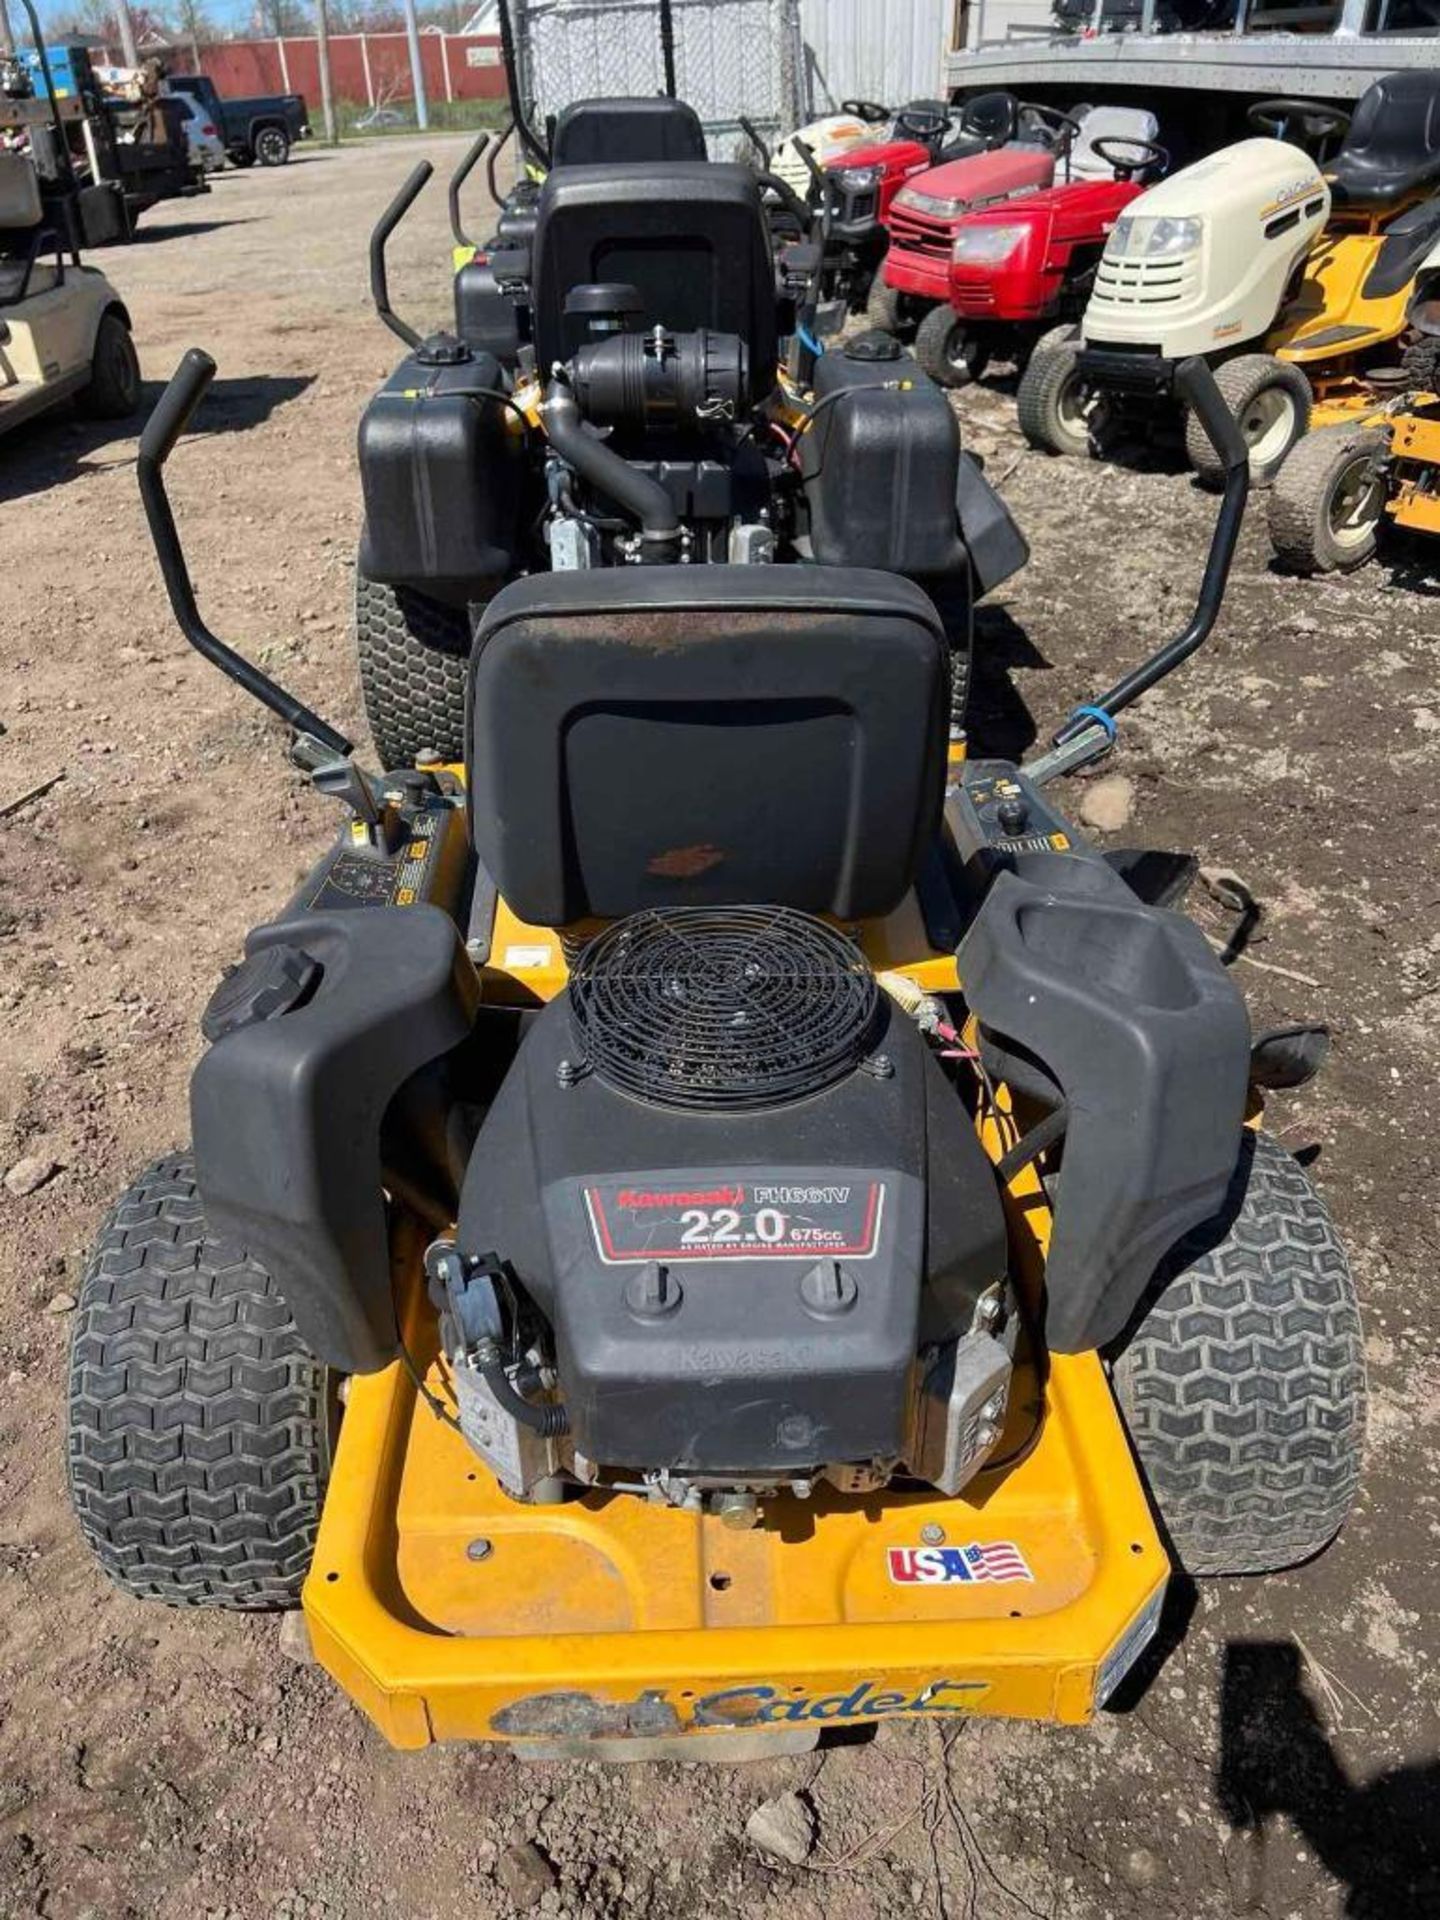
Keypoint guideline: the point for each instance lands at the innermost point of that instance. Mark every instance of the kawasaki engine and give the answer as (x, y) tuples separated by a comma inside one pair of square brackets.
[(727, 1231)]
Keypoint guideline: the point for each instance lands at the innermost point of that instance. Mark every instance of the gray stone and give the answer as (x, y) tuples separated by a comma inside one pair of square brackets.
[(526, 1875), (1108, 804), (29, 1174), (783, 1828)]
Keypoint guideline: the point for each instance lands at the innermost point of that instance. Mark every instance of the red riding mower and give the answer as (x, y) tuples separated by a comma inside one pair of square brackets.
[(1017, 270), (633, 389), (710, 1217), (851, 194), (965, 274)]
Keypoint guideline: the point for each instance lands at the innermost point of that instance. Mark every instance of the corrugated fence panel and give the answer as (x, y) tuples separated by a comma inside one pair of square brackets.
[(886, 50)]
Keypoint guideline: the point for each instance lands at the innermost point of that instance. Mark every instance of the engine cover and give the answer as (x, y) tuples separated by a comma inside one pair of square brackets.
[(737, 1293)]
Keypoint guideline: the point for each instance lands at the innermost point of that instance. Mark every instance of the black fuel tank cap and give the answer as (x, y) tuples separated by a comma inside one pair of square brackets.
[(873, 346), (267, 984)]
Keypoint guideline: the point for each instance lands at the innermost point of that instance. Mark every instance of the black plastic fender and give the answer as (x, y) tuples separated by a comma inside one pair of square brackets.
[(287, 1108), (1148, 1037)]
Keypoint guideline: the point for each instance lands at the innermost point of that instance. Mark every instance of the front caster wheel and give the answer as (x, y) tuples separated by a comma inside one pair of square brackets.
[(200, 1427), (1242, 1379)]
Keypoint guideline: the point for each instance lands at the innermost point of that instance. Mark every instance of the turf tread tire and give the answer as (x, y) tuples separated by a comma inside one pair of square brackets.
[(1239, 381), (933, 350), (198, 1423), (882, 305), (413, 655), (1242, 1383), (1037, 401), (1299, 506)]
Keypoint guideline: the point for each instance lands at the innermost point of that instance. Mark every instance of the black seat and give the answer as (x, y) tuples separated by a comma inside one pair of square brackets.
[(621, 132), (706, 736), (691, 237), (1391, 151), (1407, 242)]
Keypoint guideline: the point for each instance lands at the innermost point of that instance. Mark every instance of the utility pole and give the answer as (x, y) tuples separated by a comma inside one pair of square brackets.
[(127, 33), (417, 69), (322, 55), (7, 39)]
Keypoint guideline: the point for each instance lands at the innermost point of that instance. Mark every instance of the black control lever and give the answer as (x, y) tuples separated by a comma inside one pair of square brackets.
[(495, 151), (1090, 730), (752, 134), (457, 180), (164, 427), (384, 227)]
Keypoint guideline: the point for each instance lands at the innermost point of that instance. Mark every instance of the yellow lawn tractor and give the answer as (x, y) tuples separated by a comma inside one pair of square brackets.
[(716, 1216), (1372, 455)]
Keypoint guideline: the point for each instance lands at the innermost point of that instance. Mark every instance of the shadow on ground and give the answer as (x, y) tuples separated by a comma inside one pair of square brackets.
[(59, 446), (1380, 1838)]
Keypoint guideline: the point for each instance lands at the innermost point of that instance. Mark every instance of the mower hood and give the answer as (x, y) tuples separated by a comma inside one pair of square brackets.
[(893, 156), (985, 176)]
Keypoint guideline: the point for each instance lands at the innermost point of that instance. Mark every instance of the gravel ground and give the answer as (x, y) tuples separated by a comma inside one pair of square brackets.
[(1278, 1754)]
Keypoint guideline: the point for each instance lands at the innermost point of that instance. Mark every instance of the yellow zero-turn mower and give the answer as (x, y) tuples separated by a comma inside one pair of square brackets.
[(64, 331), (716, 1217), (1372, 455), (1286, 275)]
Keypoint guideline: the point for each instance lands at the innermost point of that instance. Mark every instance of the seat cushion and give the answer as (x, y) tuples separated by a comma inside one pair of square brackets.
[(1392, 149)]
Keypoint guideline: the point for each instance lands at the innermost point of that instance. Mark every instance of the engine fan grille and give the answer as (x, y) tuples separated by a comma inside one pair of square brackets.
[(723, 1008)]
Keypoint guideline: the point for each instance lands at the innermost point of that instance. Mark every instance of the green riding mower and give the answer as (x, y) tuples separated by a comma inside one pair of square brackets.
[(636, 387), (713, 1215)]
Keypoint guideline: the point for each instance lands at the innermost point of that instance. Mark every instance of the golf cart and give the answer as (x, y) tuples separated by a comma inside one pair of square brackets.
[(1287, 274), (64, 331), (713, 1216)]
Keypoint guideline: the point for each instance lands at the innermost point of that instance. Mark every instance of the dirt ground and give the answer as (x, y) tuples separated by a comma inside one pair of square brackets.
[(1276, 1755)]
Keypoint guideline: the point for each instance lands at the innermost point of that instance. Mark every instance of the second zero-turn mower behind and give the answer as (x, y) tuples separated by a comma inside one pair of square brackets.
[(712, 1216), (636, 388)]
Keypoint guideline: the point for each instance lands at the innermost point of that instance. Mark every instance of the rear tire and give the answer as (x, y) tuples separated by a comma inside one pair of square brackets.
[(199, 1426), (1271, 402), (1328, 501), (272, 146), (113, 390), (414, 655), (1242, 1382), (952, 353), (1051, 403)]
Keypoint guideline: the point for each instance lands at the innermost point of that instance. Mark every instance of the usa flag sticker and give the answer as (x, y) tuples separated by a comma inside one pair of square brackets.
[(993, 1561)]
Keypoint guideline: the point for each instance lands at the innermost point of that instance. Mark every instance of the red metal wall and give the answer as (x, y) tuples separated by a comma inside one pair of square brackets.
[(255, 66)]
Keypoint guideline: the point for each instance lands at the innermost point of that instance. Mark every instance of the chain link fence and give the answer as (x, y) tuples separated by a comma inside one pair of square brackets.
[(732, 57)]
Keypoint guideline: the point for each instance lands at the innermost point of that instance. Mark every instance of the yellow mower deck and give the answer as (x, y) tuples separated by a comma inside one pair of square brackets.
[(1414, 427), (451, 1612)]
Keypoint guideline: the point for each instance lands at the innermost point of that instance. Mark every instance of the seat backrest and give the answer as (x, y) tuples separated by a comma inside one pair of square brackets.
[(706, 736), (691, 237), (19, 193), (1391, 149), (598, 133), (1108, 123), (991, 115)]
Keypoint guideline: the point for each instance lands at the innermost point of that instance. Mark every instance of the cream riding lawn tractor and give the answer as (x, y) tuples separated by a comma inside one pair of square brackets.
[(714, 1216), (1290, 276), (64, 331), (635, 388)]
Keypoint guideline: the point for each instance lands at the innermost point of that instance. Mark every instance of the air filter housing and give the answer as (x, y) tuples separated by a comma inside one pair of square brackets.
[(723, 1009)]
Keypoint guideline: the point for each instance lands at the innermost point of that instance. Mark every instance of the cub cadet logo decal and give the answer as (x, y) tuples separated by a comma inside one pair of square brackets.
[(992, 1560), (870, 1700)]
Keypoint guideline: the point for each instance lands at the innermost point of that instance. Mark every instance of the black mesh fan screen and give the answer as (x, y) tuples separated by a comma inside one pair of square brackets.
[(723, 1008)]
